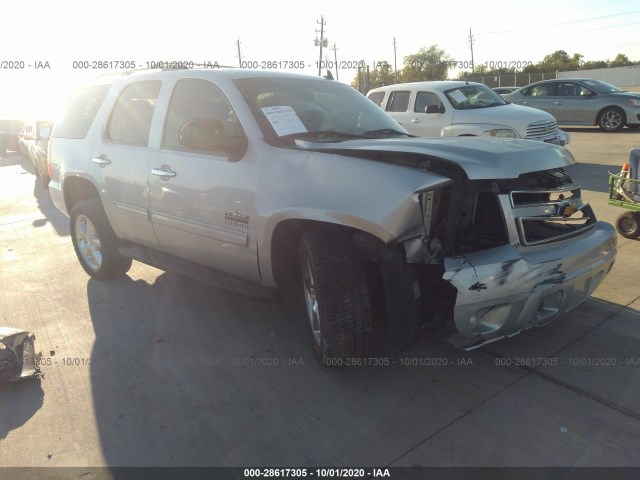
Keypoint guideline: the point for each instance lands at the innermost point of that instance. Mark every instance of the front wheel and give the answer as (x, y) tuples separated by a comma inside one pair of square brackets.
[(336, 297), (611, 119), (95, 242), (628, 224)]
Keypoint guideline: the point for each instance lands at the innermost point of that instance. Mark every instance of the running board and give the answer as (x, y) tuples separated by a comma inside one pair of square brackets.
[(165, 261)]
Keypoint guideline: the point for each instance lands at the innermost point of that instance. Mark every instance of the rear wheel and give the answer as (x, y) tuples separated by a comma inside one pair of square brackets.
[(628, 224), (336, 297), (95, 242), (611, 119)]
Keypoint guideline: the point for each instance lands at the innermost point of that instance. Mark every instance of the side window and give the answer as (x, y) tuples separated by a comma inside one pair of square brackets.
[(131, 117), (216, 128), (80, 111), (542, 90), (424, 99), (398, 101), (568, 89), (376, 97)]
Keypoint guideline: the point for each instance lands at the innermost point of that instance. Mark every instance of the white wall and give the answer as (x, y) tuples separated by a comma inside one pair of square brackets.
[(618, 76)]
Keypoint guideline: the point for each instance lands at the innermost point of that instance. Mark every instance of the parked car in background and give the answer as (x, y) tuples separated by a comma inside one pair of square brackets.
[(9, 130), (458, 108), (581, 101), (252, 180), (23, 147), (35, 138), (505, 90)]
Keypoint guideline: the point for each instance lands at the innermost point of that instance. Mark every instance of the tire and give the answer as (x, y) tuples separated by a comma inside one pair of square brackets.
[(336, 297), (628, 224), (611, 119), (95, 242)]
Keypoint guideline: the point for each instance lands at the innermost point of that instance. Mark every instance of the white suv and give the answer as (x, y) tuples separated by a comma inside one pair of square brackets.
[(454, 109)]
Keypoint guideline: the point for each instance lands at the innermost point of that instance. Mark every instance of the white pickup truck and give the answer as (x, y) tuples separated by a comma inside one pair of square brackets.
[(458, 109)]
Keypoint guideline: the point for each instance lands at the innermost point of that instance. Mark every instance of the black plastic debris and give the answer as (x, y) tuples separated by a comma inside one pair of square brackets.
[(18, 360)]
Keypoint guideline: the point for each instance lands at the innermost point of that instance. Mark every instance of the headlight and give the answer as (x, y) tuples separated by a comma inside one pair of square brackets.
[(635, 103), (502, 132)]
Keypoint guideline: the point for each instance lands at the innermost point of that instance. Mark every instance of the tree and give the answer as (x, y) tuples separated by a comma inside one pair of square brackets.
[(428, 64), (593, 64), (381, 74), (621, 60)]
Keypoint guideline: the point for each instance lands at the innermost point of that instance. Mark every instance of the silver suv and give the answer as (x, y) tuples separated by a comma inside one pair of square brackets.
[(252, 179)]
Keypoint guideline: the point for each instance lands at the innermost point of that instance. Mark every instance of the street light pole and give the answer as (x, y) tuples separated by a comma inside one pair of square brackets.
[(335, 58), (322, 41)]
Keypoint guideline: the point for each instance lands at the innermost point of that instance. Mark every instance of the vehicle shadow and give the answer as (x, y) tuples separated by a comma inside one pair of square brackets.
[(184, 374), (19, 402), (58, 221), (594, 129), (593, 177)]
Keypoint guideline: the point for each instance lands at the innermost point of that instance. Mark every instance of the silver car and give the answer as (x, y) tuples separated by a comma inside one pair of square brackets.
[(251, 180), (581, 101)]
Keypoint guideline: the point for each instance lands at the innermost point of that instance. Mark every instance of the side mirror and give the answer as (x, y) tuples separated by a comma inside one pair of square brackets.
[(586, 93), (432, 109)]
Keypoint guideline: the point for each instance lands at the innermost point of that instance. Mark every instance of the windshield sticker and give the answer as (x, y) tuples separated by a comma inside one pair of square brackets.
[(458, 96), (284, 120)]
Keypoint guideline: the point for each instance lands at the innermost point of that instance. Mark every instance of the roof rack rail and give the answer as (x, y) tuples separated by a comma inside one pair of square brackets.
[(186, 66)]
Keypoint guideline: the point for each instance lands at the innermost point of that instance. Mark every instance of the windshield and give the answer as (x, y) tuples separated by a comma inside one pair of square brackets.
[(316, 110), (601, 87), (468, 97)]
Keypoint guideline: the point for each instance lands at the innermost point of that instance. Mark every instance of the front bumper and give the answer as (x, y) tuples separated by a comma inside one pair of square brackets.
[(505, 290)]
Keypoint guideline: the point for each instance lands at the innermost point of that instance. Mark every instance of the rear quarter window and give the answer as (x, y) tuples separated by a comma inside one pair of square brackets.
[(80, 112)]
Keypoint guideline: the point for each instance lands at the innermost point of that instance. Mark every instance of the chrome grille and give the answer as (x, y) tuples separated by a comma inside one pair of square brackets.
[(544, 216), (542, 129)]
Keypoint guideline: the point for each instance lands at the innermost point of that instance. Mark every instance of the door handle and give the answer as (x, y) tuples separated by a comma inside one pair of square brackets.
[(526, 103), (164, 172), (415, 120), (102, 160), (557, 103)]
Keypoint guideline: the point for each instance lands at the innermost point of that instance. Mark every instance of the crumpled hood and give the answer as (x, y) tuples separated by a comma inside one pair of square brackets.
[(481, 158)]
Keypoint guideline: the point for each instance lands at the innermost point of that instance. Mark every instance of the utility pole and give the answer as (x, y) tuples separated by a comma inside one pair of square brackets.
[(395, 62), (322, 42), (239, 55), (335, 58), (471, 42)]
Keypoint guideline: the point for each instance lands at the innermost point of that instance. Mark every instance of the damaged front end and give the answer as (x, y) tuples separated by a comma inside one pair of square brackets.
[(518, 252), (18, 360)]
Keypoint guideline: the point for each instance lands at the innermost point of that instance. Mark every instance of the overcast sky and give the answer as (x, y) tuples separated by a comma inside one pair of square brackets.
[(504, 31)]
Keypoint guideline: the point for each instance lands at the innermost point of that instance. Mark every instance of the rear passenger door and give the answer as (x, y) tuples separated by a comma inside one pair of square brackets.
[(203, 199), (120, 162)]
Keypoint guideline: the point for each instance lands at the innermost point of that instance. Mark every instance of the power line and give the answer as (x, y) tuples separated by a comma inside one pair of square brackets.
[(565, 23), (608, 26)]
